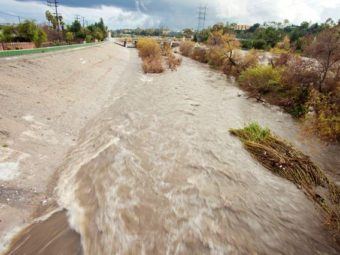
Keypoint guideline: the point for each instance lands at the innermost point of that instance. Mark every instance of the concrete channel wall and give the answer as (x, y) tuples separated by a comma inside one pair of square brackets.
[(12, 53)]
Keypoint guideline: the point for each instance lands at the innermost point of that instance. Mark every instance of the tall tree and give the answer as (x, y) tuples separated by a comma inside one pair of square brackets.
[(326, 50)]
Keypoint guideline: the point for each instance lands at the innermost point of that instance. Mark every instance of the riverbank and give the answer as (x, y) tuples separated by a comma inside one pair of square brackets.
[(45, 101)]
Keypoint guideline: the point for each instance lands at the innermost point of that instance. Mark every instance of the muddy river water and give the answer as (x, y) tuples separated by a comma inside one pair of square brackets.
[(157, 172)]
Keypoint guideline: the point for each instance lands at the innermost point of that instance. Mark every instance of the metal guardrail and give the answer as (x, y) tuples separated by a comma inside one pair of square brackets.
[(13, 53)]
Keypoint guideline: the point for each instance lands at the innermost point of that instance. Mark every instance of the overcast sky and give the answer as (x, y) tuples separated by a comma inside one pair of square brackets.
[(176, 14)]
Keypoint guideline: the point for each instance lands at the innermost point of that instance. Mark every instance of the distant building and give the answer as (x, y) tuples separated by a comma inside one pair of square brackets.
[(240, 27), (166, 32), (127, 31)]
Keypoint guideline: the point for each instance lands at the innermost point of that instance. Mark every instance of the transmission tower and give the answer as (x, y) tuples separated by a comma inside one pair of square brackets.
[(202, 12), (54, 5)]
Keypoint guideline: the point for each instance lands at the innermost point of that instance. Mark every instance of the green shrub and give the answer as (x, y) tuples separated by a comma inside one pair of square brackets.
[(260, 44), (88, 38), (69, 36), (27, 31), (261, 79), (42, 37), (247, 44), (253, 132), (2, 37)]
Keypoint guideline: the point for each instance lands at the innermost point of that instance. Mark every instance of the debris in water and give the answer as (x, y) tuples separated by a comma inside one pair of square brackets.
[(282, 159)]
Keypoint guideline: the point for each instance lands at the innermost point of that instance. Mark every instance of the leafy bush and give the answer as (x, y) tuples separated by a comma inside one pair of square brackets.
[(261, 79), (41, 38), (200, 54), (152, 65), (284, 44), (298, 77), (251, 59), (260, 44), (88, 38), (325, 120), (186, 48), (148, 48), (69, 37), (239, 63), (247, 44), (282, 59), (27, 31), (216, 56), (93, 32), (277, 50)]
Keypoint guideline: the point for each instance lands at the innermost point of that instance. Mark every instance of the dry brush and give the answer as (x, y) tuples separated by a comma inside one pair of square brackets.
[(152, 55)]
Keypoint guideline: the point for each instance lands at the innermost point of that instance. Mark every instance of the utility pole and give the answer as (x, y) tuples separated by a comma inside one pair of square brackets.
[(77, 17), (80, 18), (54, 5)]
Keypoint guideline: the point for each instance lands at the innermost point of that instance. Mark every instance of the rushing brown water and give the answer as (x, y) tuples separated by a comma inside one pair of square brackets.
[(158, 173)]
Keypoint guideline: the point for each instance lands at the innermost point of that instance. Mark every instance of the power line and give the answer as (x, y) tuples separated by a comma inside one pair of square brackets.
[(20, 18)]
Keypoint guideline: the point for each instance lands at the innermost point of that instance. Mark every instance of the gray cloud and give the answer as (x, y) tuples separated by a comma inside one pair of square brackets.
[(177, 14)]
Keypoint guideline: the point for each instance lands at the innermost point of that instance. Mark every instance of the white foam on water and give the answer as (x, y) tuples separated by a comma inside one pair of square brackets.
[(9, 171), (146, 79), (29, 118), (9, 163)]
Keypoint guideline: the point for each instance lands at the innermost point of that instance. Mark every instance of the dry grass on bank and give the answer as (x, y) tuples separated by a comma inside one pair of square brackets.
[(172, 61), (152, 56), (148, 48), (282, 159), (186, 48), (200, 54), (150, 53), (152, 65)]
